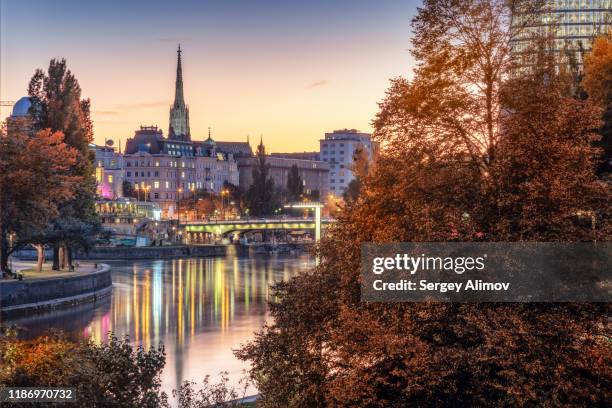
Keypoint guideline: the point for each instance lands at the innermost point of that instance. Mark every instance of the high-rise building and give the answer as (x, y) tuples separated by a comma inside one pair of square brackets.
[(572, 24), (179, 111), (338, 149)]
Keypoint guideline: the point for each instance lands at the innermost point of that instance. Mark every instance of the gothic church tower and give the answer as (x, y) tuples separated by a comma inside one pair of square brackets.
[(179, 112)]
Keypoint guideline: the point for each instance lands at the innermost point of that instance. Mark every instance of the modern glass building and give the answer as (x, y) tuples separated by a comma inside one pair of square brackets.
[(571, 23)]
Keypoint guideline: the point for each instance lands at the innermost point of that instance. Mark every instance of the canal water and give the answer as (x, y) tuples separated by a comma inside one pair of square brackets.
[(199, 308)]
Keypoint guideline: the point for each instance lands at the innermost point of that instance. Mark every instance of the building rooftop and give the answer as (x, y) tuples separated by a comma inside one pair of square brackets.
[(21, 107), (238, 149)]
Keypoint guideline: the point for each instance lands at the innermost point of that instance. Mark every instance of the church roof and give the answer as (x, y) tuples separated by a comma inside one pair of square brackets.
[(238, 149)]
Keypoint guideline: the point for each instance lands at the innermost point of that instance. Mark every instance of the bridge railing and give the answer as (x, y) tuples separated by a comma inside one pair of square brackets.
[(255, 220)]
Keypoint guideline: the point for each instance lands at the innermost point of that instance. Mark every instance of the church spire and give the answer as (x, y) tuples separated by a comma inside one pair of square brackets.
[(179, 112), (179, 99)]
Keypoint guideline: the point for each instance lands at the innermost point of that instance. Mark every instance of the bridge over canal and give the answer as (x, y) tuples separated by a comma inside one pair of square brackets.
[(221, 228)]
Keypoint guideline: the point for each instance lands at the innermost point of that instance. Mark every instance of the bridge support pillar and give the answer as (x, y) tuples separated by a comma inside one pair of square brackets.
[(317, 224)]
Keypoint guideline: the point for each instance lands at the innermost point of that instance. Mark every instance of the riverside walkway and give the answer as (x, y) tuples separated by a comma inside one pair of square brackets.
[(50, 289)]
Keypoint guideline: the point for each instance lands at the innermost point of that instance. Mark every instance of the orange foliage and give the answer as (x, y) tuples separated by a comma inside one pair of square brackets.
[(598, 71)]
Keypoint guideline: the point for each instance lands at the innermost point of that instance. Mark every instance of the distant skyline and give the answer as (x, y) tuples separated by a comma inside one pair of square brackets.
[(287, 70)]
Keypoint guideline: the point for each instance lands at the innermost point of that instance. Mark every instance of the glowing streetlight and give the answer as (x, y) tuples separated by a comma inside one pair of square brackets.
[(178, 204)]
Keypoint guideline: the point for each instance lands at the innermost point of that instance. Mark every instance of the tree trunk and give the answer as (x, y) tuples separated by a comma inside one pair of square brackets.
[(56, 261), (69, 258), (62, 258), (4, 251), (40, 256)]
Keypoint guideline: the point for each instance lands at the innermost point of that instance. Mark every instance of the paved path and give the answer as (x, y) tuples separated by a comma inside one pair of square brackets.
[(28, 269)]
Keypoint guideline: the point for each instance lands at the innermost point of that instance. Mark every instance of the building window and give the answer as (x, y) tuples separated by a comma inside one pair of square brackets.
[(167, 184), (129, 163), (156, 195), (156, 184), (157, 163), (129, 174), (110, 178), (182, 174), (157, 174)]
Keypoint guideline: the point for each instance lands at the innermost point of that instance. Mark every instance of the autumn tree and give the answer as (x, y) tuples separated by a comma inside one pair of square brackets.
[(295, 184), (111, 374), (35, 180), (470, 152), (359, 168), (261, 197), (59, 107), (598, 84)]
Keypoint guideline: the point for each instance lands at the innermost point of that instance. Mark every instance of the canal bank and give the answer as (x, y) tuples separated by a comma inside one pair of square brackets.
[(54, 290), (186, 251), (173, 251)]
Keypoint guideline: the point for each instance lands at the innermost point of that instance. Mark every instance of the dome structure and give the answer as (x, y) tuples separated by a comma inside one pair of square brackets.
[(210, 142), (21, 107)]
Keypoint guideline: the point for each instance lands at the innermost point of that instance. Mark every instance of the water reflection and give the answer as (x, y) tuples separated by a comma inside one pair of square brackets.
[(200, 309)]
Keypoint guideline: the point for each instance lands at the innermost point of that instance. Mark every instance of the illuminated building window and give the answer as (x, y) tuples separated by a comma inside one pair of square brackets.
[(156, 184), (110, 178)]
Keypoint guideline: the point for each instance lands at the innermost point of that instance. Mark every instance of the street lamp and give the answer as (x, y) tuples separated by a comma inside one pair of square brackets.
[(178, 204), (224, 192), (193, 194), (137, 191)]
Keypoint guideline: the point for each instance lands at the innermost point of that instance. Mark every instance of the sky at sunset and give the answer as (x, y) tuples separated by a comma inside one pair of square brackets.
[(287, 70)]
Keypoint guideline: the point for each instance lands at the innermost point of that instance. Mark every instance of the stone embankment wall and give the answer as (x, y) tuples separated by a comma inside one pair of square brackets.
[(46, 293), (163, 252)]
